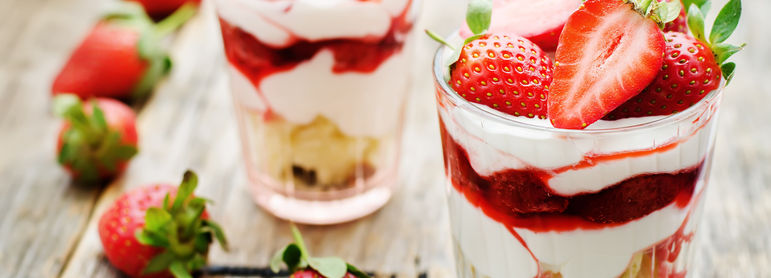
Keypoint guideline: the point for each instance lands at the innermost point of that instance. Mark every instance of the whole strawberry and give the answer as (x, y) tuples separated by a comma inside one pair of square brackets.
[(121, 56), (97, 139), (302, 265), (692, 68), (505, 72), (159, 231), (159, 9)]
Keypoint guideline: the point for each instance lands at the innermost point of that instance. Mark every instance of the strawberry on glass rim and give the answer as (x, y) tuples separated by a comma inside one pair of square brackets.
[(539, 21), (609, 51), (692, 66), (503, 71)]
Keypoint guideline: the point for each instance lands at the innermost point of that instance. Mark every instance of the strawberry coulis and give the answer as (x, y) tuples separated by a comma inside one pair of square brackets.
[(520, 199), (258, 60)]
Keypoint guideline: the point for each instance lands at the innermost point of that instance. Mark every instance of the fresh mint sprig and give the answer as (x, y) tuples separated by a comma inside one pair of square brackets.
[(296, 257)]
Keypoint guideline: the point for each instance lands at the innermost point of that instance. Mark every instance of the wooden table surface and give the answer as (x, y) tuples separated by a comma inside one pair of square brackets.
[(48, 227)]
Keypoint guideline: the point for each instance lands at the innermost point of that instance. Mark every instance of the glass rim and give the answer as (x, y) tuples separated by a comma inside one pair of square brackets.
[(438, 74)]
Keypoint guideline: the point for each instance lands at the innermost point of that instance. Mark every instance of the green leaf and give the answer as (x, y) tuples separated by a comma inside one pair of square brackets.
[(186, 188), (146, 237), (99, 123), (290, 255), (726, 21), (704, 5), (438, 38), (160, 66), (156, 219), (159, 263), (329, 267), (665, 12), (218, 233), (725, 51), (356, 272), (65, 103), (176, 19), (178, 269), (696, 23), (478, 15), (469, 40), (728, 71), (298, 240)]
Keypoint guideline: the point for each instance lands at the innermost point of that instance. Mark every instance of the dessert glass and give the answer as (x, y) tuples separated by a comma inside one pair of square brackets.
[(319, 89), (620, 199)]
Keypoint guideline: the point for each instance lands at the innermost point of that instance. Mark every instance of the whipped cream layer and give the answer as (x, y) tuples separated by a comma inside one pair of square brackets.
[(280, 23), (360, 104), (494, 251), (576, 164)]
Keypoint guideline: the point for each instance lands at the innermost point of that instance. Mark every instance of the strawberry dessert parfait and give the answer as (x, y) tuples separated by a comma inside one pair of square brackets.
[(319, 89), (590, 161)]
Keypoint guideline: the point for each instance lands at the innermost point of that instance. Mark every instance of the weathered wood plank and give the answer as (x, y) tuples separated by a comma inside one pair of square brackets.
[(41, 216)]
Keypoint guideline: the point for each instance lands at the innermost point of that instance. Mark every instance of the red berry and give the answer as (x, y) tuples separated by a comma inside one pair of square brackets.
[(310, 273), (156, 228), (505, 72), (86, 149), (106, 64), (539, 21), (119, 224), (159, 9), (608, 53), (689, 73)]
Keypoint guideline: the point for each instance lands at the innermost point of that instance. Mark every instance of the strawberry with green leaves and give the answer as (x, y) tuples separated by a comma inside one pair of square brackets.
[(159, 231), (692, 66), (96, 139), (609, 51), (121, 57), (503, 71), (302, 265)]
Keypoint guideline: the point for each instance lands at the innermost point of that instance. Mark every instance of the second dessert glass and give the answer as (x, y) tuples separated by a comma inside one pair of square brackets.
[(620, 199), (319, 89)]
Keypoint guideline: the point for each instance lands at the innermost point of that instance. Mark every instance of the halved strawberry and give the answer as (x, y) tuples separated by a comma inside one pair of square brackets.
[(505, 72), (609, 51), (539, 21)]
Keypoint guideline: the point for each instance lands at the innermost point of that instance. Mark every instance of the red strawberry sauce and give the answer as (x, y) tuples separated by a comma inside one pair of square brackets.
[(257, 60), (521, 198)]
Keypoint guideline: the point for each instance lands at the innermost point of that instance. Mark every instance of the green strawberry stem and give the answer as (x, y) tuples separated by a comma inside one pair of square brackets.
[(660, 12), (722, 29), (175, 20), (89, 146), (177, 227)]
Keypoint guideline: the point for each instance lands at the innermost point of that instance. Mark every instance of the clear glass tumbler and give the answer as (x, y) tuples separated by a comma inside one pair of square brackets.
[(319, 89), (620, 199)]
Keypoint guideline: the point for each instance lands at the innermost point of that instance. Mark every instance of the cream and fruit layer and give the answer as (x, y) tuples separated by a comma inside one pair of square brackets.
[(321, 83), (530, 202)]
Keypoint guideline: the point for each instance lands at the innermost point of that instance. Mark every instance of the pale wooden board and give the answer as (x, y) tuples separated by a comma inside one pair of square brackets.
[(41, 216), (190, 124)]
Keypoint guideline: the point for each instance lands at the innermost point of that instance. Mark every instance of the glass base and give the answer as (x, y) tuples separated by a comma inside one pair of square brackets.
[(360, 201)]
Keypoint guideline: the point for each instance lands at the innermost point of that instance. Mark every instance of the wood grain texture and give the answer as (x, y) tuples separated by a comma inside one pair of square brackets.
[(48, 228)]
